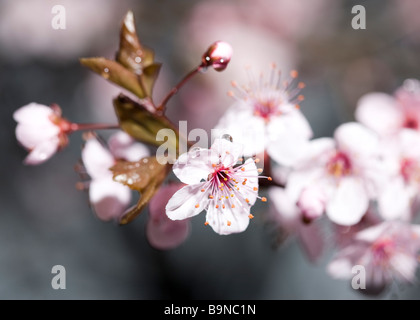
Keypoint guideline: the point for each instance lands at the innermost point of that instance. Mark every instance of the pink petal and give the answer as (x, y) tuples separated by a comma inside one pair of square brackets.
[(379, 112), (123, 146), (109, 198), (162, 232), (312, 241), (395, 200), (167, 235), (33, 114), (408, 138), (187, 202), (193, 166), (300, 179), (283, 208), (356, 140), (312, 202), (42, 152), (97, 159), (32, 135), (228, 220), (404, 266), (371, 234), (349, 203)]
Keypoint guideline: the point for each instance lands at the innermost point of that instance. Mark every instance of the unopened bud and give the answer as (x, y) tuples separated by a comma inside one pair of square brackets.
[(217, 55)]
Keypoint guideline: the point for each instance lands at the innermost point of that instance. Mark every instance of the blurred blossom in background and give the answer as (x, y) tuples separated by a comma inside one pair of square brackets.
[(45, 221)]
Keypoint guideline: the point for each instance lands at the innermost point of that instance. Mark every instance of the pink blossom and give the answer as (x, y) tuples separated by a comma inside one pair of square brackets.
[(347, 172), (386, 114), (162, 232), (286, 215), (108, 198), (402, 156), (215, 183), (41, 130), (387, 251), (266, 116)]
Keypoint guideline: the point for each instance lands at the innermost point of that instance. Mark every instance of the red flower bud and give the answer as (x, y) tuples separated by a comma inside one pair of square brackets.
[(217, 55)]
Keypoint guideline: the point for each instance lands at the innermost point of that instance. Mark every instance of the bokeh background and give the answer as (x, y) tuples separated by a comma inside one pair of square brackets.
[(45, 221)]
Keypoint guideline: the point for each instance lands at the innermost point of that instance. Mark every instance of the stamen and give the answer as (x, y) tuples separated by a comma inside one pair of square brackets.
[(250, 216), (229, 223)]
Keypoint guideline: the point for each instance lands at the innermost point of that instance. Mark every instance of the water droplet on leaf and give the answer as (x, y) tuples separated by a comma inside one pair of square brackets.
[(227, 137), (105, 74)]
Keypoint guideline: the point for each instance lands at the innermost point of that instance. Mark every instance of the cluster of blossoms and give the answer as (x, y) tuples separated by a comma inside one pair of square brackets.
[(364, 182)]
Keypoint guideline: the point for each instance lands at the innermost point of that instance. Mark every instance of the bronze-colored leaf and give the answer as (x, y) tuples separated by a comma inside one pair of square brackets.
[(131, 53), (136, 175), (142, 124), (116, 73), (149, 76), (144, 176)]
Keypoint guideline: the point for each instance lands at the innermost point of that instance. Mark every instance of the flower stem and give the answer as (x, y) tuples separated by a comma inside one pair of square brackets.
[(161, 108), (92, 126)]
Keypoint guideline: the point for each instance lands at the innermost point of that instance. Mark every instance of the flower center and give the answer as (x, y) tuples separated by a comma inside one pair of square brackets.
[(382, 250), (411, 123), (339, 165), (265, 109), (220, 175), (410, 170)]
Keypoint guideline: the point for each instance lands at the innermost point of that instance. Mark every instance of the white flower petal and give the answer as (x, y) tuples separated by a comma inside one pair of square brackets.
[(340, 268), (312, 202), (229, 152), (409, 143), (317, 153), (251, 174), (97, 159), (33, 114), (193, 166), (30, 135), (371, 234), (109, 198), (183, 203), (287, 150), (349, 203), (42, 152), (356, 140), (123, 146), (395, 200), (300, 179), (292, 124), (244, 128), (379, 112), (284, 210), (228, 220)]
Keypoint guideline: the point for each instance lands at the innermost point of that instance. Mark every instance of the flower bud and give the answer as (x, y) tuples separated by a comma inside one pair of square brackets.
[(217, 55), (311, 203)]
